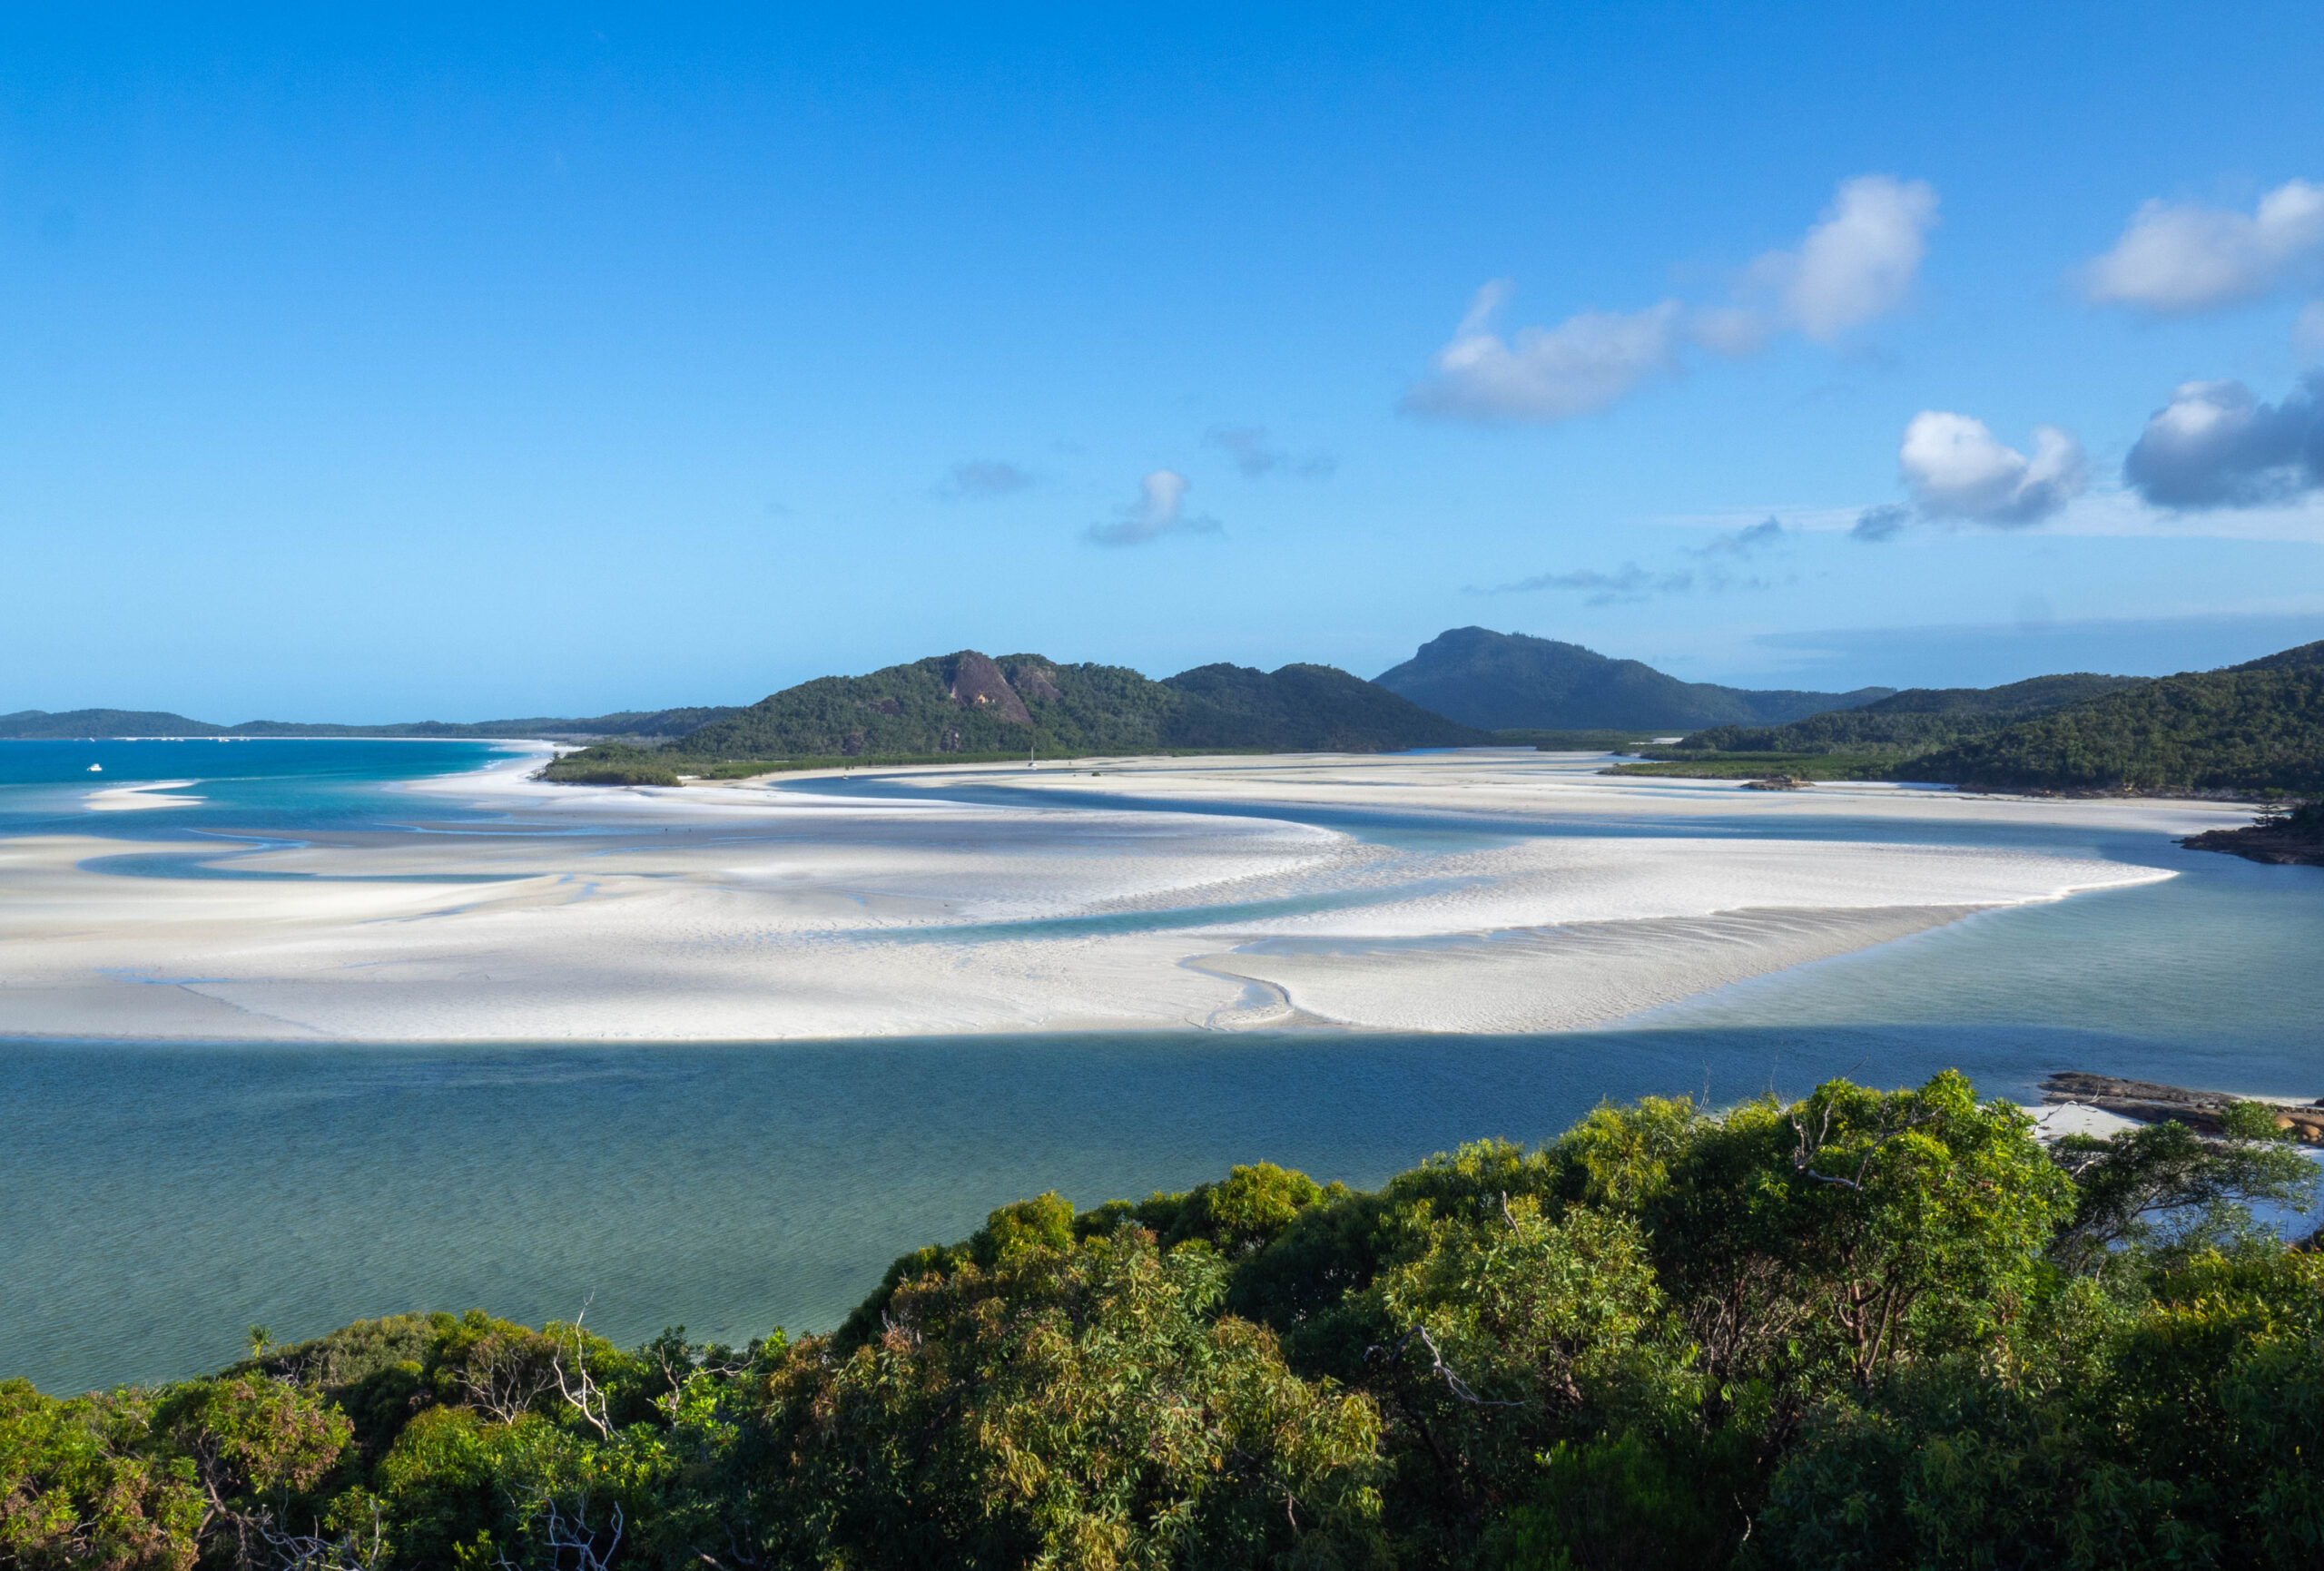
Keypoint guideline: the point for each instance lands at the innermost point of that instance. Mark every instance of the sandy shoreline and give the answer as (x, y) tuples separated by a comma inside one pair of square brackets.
[(1528, 894)]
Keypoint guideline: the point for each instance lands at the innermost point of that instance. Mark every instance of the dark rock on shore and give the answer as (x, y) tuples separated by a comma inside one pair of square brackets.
[(2295, 838), (2150, 1102)]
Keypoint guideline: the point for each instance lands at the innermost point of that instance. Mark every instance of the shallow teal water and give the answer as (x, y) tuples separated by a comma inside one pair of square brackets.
[(155, 1200), (247, 786), (160, 1199)]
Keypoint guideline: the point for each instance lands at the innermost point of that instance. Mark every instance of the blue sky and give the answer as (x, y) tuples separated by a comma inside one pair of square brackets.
[(404, 362)]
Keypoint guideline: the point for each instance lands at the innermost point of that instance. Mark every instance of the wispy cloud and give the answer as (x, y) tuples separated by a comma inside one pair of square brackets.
[(2180, 260), (2107, 509), (1856, 264), (1630, 582), (1160, 509), (1766, 533), (1257, 457), (1859, 261), (979, 479), (1724, 558), (1724, 568), (1544, 375), (1886, 521)]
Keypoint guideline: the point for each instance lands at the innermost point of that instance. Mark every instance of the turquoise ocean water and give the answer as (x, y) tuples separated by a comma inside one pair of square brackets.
[(157, 1199)]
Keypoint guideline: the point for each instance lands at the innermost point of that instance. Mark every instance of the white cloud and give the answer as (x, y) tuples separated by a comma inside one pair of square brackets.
[(1732, 330), (1859, 263), (2180, 259), (1546, 374), (1159, 510), (2215, 445), (1956, 468), (1856, 264)]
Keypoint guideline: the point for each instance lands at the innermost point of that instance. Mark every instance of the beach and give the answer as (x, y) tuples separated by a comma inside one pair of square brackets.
[(1483, 892)]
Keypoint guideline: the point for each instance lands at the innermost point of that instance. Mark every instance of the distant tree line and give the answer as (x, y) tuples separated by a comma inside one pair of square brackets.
[(2251, 729), (1859, 1329)]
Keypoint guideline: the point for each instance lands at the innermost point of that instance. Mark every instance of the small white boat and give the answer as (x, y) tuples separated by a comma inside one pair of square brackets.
[(96, 768)]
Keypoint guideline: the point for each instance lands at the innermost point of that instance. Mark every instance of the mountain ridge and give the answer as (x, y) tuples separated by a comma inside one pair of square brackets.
[(969, 703), (1514, 680)]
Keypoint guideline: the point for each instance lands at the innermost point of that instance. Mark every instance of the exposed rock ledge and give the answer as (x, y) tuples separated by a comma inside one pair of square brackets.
[(2150, 1102), (2297, 841)]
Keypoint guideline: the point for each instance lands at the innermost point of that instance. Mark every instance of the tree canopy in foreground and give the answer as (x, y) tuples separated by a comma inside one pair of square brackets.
[(1861, 1329)]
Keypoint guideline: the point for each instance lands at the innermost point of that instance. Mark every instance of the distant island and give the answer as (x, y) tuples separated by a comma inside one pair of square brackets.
[(967, 706), (74, 724), (1511, 682)]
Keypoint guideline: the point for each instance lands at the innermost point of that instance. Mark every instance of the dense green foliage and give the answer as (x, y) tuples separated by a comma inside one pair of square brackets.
[(1301, 709), (2305, 657), (1806, 766), (2251, 728), (965, 705), (1504, 681), (614, 763), (2286, 833), (1909, 723), (2247, 729), (1862, 1330), (1572, 740)]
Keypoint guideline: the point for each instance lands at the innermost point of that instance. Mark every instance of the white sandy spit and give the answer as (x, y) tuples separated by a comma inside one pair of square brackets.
[(129, 799), (746, 912)]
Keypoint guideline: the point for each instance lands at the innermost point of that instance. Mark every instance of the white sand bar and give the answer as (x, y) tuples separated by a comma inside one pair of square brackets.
[(1474, 891)]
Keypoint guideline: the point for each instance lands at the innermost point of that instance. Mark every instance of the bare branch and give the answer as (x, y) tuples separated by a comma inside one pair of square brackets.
[(578, 1538), (312, 1552), (1437, 1366), (1804, 1157), (578, 1388)]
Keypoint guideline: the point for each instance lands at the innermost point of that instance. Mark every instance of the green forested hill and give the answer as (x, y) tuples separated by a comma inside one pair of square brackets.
[(1911, 721), (1509, 680), (970, 703), (72, 724), (2254, 728), (2308, 656), (1303, 709)]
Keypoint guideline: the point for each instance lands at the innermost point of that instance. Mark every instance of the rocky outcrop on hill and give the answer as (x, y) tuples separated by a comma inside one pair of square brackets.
[(974, 681)]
